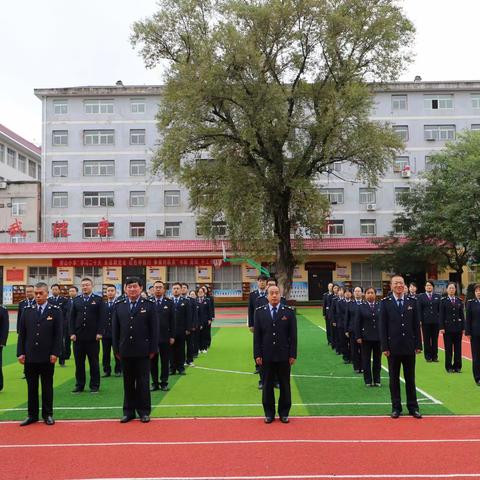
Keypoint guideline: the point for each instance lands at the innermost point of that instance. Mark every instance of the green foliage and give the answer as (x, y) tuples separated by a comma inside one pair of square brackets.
[(274, 92)]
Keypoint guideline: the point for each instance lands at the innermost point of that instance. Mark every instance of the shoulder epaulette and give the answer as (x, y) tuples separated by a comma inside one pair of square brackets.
[(385, 298), (289, 307), (261, 306), (471, 300), (51, 305)]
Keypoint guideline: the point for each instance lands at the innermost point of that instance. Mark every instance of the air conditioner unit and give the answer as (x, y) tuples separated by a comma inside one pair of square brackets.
[(371, 207), (406, 174), (160, 232), (397, 168), (3, 185), (430, 139)]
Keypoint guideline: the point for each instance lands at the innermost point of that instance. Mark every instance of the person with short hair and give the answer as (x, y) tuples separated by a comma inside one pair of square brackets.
[(472, 331), (4, 325), (135, 343), (412, 290), (111, 293), (400, 342), (327, 298), (38, 347), (182, 314), (429, 309), (350, 314)]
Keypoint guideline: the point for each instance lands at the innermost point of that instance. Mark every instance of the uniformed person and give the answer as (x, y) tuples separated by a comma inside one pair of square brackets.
[(135, 343), (400, 341), (275, 349), (4, 325), (472, 331), (166, 337), (327, 297), (335, 314), (189, 338), (343, 346), (204, 319), (252, 300), (211, 302), (329, 318), (39, 345), (367, 335), (412, 290), (452, 320), (87, 324), (27, 302), (182, 313), (350, 314), (56, 299), (429, 308), (111, 293)]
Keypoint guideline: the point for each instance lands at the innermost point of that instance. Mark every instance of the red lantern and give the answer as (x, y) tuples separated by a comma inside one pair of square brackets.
[(15, 229), (60, 229), (103, 228)]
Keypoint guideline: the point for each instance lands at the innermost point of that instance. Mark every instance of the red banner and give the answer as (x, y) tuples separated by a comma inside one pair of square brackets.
[(15, 275), (133, 262)]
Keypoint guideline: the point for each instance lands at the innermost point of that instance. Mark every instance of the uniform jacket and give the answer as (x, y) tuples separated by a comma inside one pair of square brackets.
[(135, 333), (366, 322), (327, 299), (429, 309), (339, 309), (4, 325), (166, 319), (107, 332), (87, 318), (24, 303), (333, 300), (182, 313), (400, 329), (472, 320), (61, 302), (38, 338), (204, 312), (211, 303), (350, 312), (193, 312), (252, 305), (275, 340), (452, 317)]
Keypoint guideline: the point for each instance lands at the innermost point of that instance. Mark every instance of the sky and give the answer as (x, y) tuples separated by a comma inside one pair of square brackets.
[(62, 43)]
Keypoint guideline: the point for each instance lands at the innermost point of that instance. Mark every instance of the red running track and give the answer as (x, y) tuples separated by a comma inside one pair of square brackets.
[(322, 447)]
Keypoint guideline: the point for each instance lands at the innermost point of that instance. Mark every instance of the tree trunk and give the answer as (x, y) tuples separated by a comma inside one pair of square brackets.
[(460, 275)]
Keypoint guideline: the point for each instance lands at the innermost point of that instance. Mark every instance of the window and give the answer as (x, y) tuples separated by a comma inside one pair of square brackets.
[(400, 163), (399, 194), (368, 228), (19, 207), (137, 199), (366, 275), (99, 137), (137, 105), (98, 168), (60, 107), (138, 168), (439, 132), (219, 229), (2, 153), (59, 199), (401, 131), (90, 230), (98, 199), (335, 195), (181, 274), (60, 138), (32, 169), (337, 166), (42, 274), (98, 106), (398, 228), (476, 127), (17, 238), (428, 163), (137, 137), (399, 102), (93, 273), (476, 100), (367, 195), (438, 102), (11, 158), (22, 163), (227, 277), (137, 229), (172, 198), (59, 168), (172, 229), (39, 172), (335, 227)]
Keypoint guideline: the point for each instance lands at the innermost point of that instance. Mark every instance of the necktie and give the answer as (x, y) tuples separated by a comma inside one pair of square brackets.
[(85, 298), (452, 299), (400, 303), (372, 306), (176, 301), (158, 302), (430, 296), (39, 311), (132, 306), (274, 313), (109, 305)]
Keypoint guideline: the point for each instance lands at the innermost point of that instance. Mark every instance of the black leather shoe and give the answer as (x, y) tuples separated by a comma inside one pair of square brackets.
[(154, 388), (28, 421), (118, 374), (395, 414), (106, 375), (416, 414), (457, 370), (49, 420), (478, 383), (172, 372), (260, 385), (183, 372), (144, 418), (268, 419), (284, 420), (276, 385), (164, 388), (77, 390), (126, 418), (94, 390), (435, 360)]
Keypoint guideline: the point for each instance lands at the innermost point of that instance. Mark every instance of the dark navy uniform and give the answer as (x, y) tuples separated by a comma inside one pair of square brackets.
[(327, 300), (107, 342), (135, 339), (166, 322), (366, 327), (182, 312), (204, 322), (62, 302), (87, 320), (349, 321), (252, 305), (342, 345), (39, 337), (331, 321), (192, 349), (275, 342), (400, 335), (4, 325), (452, 320), (208, 333), (429, 308), (21, 306), (472, 329)]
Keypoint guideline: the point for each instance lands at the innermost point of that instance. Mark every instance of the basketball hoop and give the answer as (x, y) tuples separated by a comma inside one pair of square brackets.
[(217, 262)]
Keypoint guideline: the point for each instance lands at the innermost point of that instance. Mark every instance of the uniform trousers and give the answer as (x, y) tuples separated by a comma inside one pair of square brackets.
[(177, 354), (395, 362), (43, 373), (453, 346), (136, 371), (371, 369), (81, 351), (106, 357), (164, 356), (271, 371), (430, 340), (475, 344)]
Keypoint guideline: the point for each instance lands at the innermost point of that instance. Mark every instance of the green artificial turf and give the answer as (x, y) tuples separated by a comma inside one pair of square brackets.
[(222, 383)]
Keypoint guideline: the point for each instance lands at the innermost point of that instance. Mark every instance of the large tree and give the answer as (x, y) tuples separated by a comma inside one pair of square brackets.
[(271, 93), (440, 215)]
